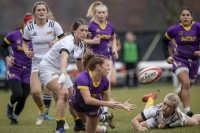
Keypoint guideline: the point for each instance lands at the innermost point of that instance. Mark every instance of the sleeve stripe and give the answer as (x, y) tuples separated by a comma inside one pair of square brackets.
[(61, 35), (83, 87), (144, 118), (6, 40), (168, 36), (63, 49), (105, 92)]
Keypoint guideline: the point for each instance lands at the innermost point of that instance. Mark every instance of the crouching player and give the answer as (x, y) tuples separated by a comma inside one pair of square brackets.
[(164, 115), (91, 92)]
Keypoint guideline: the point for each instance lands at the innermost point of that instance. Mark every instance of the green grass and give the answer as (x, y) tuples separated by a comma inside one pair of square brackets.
[(121, 118)]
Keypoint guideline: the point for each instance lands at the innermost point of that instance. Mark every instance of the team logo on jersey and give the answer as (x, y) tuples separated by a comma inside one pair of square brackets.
[(97, 30), (50, 33), (18, 41), (34, 34), (180, 33)]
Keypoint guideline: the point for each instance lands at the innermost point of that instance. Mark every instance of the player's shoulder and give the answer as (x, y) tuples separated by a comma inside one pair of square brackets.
[(30, 26), (52, 23)]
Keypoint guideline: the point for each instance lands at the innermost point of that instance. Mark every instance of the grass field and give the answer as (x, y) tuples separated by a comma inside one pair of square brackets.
[(121, 118)]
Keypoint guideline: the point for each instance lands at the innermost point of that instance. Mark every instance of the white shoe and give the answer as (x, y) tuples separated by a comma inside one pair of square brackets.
[(66, 126), (40, 119)]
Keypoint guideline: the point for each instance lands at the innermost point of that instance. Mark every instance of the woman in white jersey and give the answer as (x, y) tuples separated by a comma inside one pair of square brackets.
[(52, 70), (42, 31), (164, 115)]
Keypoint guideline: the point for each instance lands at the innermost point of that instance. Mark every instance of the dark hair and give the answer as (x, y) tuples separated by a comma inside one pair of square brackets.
[(185, 8), (77, 22), (90, 61), (21, 25), (40, 3)]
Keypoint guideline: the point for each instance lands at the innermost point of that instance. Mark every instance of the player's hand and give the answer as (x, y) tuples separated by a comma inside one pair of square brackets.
[(62, 79), (141, 129), (9, 60), (115, 54), (197, 53), (170, 60), (96, 39), (29, 53), (126, 106), (162, 125), (52, 43)]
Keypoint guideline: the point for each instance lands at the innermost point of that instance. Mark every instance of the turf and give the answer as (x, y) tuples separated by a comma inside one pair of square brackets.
[(122, 118)]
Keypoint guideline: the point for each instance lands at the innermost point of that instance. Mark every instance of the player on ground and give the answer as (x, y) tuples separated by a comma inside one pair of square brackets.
[(164, 115), (42, 31), (18, 70), (91, 92), (185, 59)]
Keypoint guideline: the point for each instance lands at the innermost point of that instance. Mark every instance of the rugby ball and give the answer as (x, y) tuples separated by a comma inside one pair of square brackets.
[(149, 75)]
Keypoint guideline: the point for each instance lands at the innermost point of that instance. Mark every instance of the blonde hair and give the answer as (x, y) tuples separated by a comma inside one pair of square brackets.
[(174, 99), (92, 8)]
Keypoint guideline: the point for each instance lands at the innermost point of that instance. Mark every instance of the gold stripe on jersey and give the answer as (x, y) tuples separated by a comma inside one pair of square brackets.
[(6, 40), (83, 87), (168, 36)]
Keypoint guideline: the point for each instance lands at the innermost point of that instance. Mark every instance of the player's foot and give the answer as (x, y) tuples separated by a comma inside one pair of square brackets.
[(60, 130), (189, 113), (79, 125), (9, 111), (147, 96), (109, 121), (66, 126), (48, 118), (40, 119), (14, 122)]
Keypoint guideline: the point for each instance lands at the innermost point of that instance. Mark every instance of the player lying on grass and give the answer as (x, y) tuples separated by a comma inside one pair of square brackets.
[(164, 115)]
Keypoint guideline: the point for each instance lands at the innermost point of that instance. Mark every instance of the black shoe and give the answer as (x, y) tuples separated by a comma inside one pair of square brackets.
[(189, 113), (9, 111), (109, 120), (14, 122), (79, 125)]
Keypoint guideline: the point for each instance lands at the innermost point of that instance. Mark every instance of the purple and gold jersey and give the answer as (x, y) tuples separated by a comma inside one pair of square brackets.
[(15, 39), (85, 81), (105, 33), (186, 38)]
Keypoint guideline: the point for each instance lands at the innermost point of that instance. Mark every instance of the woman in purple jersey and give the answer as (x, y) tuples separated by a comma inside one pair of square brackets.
[(18, 70), (91, 92), (185, 58), (102, 34)]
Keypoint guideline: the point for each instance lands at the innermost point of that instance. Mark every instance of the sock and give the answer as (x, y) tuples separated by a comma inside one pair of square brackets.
[(60, 123), (42, 109), (47, 101), (104, 129), (15, 116), (149, 103), (10, 104), (105, 109), (187, 109)]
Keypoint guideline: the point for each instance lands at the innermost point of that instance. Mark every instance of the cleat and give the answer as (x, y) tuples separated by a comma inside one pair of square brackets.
[(79, 125), (60, 130), (48, 118), (40, 119), (109, 121), (9, 111), (14, 122), (189, 113), (66, 126), (147, 96)]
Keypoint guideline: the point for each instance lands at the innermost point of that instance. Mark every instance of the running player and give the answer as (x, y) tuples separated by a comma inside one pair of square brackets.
[(18, 70), (42, 32), (185, 58)]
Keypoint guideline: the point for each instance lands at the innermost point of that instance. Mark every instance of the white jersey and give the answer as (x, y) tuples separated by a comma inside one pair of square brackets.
[(41, 36), (154, 117), (52, 57)]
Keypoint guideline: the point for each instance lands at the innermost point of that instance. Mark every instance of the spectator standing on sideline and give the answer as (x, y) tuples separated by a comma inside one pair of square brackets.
[(130, 54), (184, 61), (42, 32), (18, 70)]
